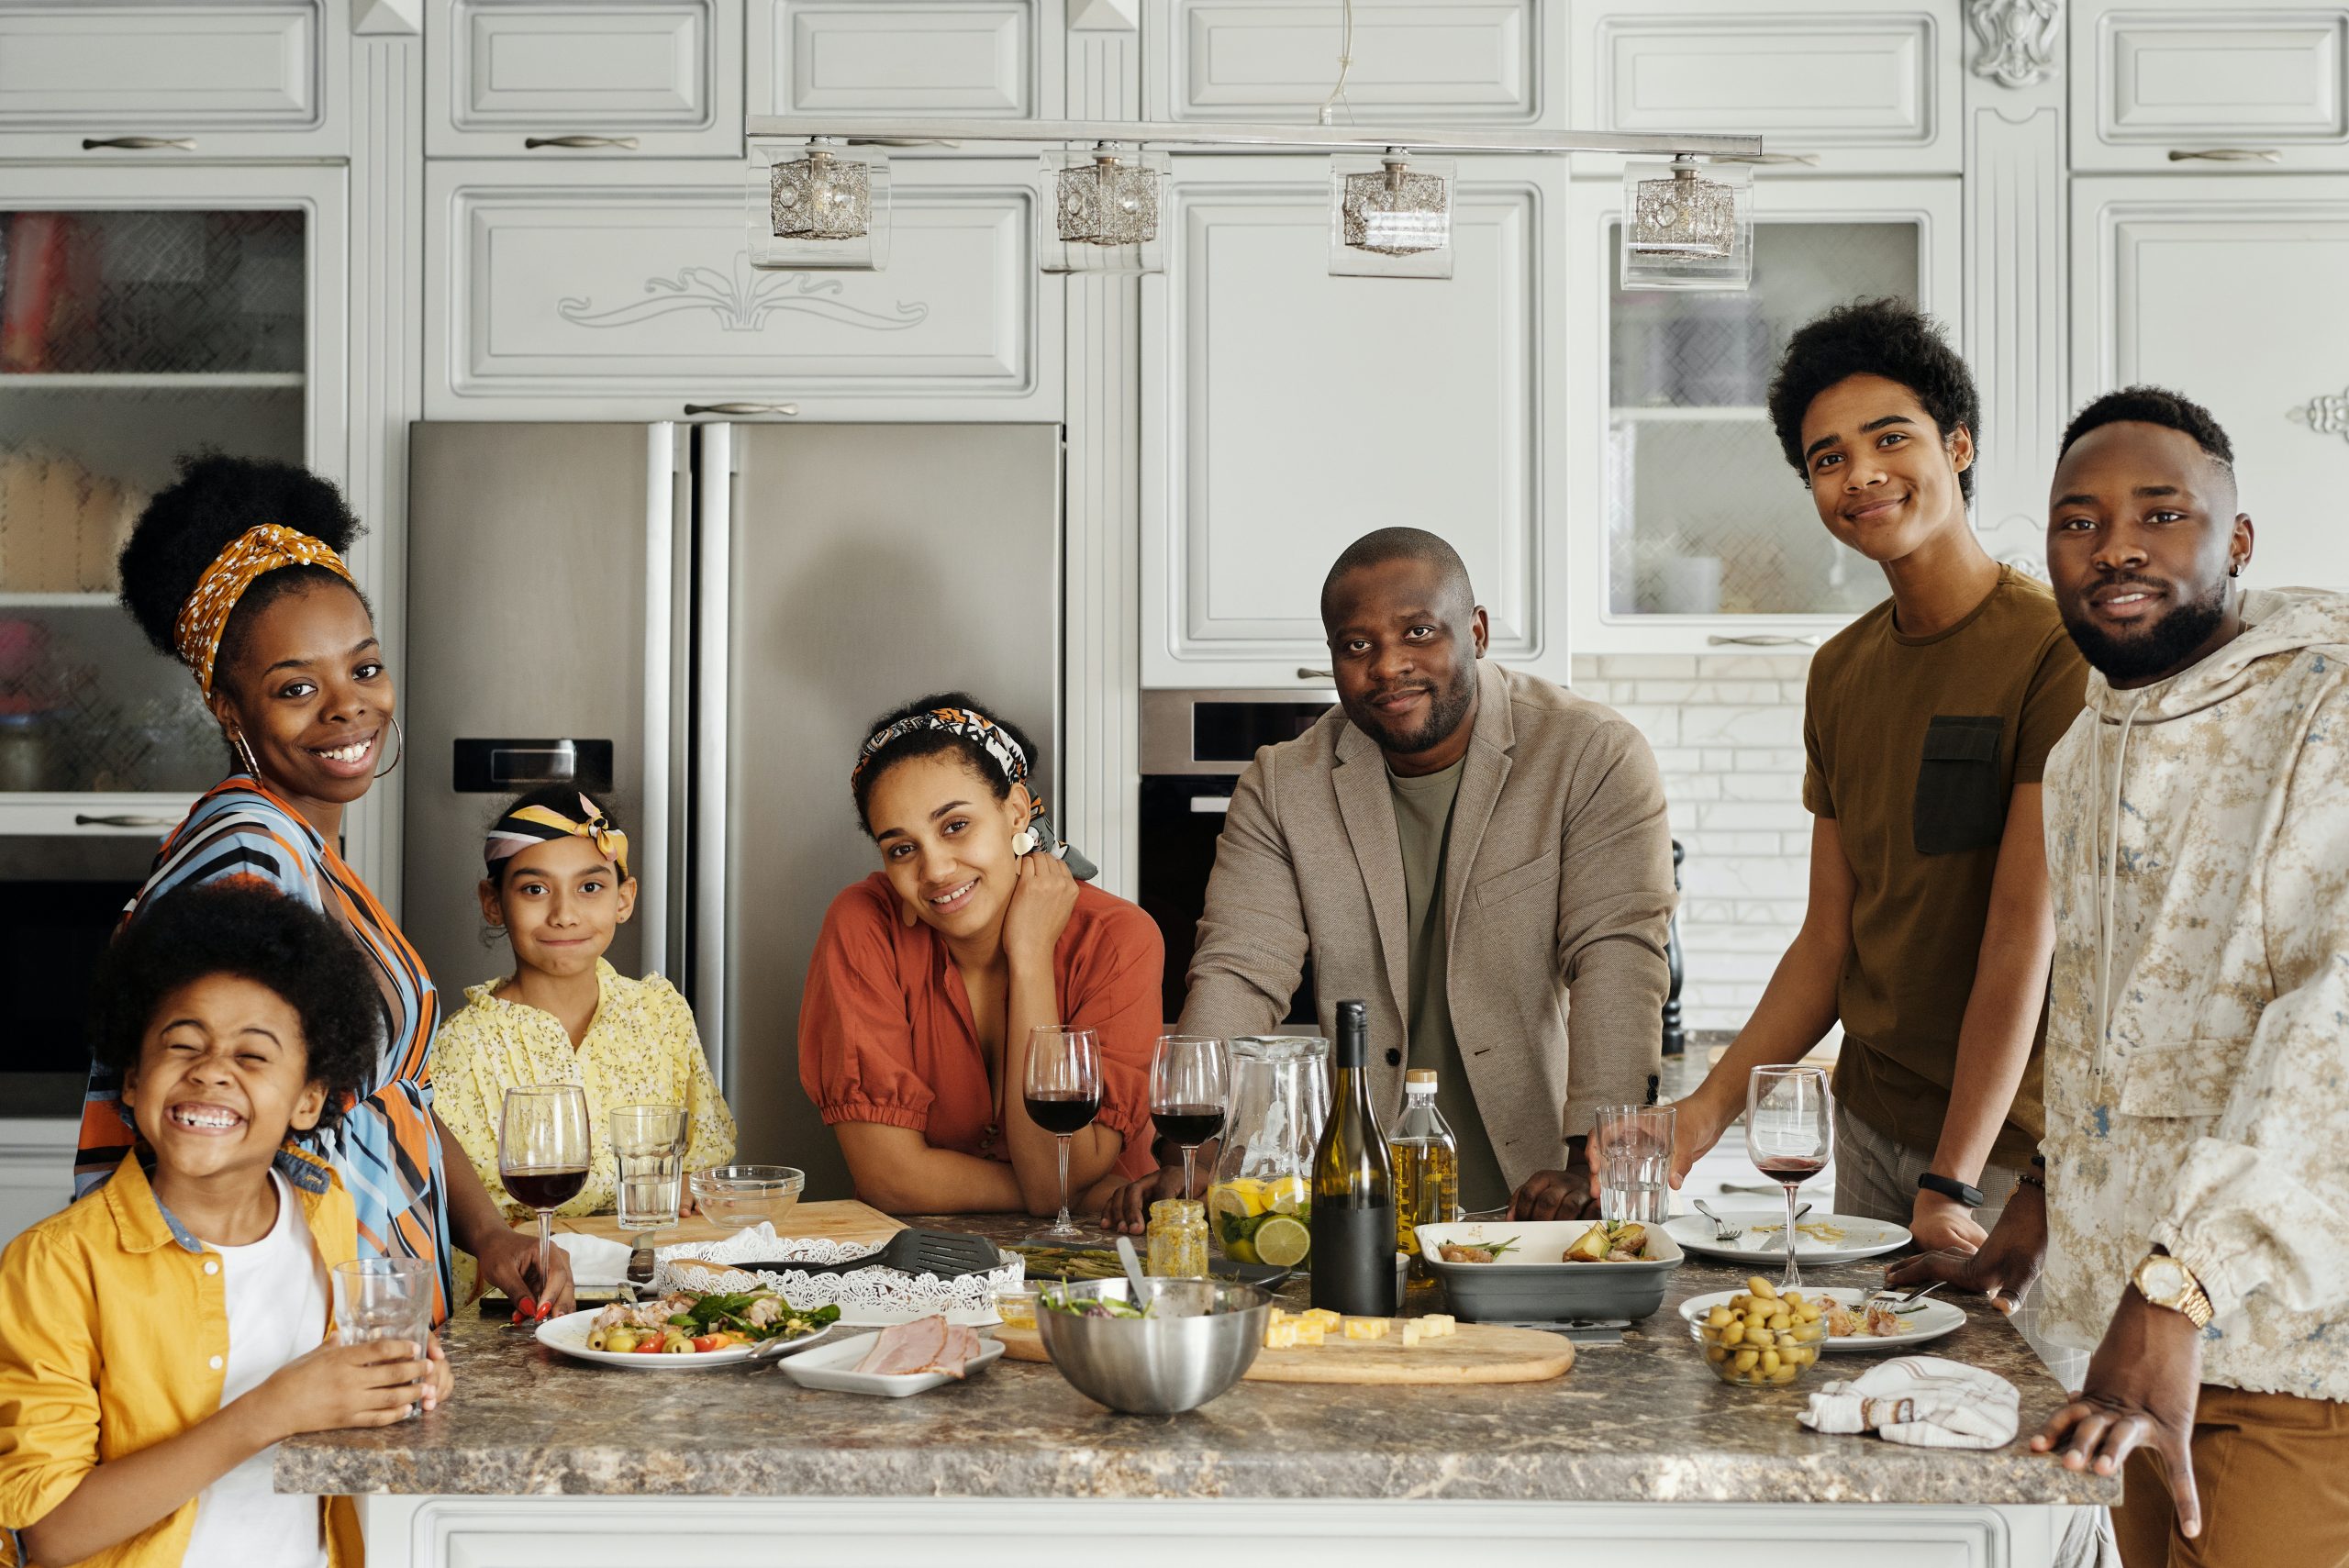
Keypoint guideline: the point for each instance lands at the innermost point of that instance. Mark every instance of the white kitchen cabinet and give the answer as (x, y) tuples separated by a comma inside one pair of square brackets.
[(969, 59), (2245, 87), (1416, 62), (562, 79), (225, 78), (1691, 533), (2216, 287), (624, 291), (1837, 86), (1286, 413), (36, 1170)]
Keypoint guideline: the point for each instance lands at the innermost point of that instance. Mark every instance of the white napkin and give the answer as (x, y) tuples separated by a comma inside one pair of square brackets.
[(595, 1260), (1922, 1400)]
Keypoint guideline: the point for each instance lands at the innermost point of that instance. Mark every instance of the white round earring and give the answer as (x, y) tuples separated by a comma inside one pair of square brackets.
[(1024, 841)]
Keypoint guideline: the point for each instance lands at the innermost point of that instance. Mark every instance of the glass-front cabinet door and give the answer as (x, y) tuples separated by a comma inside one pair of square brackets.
[(1693, 531), (145, 312)]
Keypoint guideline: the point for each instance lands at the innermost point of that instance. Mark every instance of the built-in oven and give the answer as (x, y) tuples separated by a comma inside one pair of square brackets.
[(1194, 746), (60, 898)]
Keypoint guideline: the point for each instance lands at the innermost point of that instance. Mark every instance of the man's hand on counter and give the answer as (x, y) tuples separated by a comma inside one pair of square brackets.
[(2143, 1386), (2003, 1267), (1128, 1210), (1940, 1222), (1570, 1193)]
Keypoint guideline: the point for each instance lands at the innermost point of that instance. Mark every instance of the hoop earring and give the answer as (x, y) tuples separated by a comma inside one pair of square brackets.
[(401, 735), (244, 751)]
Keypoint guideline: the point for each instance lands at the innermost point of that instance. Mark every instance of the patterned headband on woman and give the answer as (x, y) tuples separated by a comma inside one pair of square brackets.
[(202, 620), (997, 742), (527, 824)]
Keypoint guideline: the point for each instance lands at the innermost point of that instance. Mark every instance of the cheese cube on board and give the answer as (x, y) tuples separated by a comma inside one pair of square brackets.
[(1308, 1333), (1365, 1328), (1280, 1337), (1412, 1334), (1435, 1325)]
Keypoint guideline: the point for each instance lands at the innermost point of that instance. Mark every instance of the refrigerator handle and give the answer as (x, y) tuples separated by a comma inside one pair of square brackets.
[(714, 528), (660, 544)]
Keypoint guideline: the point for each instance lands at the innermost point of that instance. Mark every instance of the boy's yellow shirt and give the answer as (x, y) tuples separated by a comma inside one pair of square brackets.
[(116, 1338)]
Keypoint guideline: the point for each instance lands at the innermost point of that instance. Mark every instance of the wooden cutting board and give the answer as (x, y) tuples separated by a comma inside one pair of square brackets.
[(845, 1220), (1478, 1352)]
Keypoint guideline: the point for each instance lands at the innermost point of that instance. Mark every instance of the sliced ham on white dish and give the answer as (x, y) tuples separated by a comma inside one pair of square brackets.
[(926, 1344)]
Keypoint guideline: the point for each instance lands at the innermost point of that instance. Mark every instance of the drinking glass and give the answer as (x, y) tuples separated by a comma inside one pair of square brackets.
[(1631, 1147), (1064, 1095), (383, 1298), (649, 1150), (1190, 1085), (542, 1153), (1789, 1135)]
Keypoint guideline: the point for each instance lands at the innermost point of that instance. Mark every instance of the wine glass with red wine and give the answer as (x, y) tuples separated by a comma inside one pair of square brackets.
[(1190, 1079), (1789, 1136), (542, 1153), (1064, 1095)]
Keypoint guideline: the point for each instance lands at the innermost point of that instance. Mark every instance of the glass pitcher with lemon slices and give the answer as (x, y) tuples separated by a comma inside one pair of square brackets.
[(1260, 1203)]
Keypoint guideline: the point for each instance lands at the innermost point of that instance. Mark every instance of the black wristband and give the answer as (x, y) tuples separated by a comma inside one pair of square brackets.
[(1950, 1187)]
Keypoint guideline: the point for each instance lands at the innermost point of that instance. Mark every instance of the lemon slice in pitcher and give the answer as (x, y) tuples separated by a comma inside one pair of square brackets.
[(1283, 1242)]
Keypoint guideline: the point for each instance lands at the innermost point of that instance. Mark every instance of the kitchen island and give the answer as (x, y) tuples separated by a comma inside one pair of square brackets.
[(1639, 1455)]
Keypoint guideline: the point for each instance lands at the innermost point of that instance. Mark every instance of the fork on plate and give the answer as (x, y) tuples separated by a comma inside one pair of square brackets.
[(1722, 1229)]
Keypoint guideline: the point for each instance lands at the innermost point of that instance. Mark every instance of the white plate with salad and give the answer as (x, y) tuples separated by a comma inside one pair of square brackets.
[(1857, 1319), (1820, 1239), (682, 1331)]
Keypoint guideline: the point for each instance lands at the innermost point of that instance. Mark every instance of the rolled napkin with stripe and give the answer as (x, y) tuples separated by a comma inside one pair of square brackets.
[(1924, 1401)]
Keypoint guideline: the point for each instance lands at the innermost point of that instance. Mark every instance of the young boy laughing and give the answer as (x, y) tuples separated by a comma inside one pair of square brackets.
[(168, 1331)]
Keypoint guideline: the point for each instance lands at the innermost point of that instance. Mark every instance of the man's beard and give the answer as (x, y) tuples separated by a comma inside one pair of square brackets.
[(1446, 709), (2156, 651)]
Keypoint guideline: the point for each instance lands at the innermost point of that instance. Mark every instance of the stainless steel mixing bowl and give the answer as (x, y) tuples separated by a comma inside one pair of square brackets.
[(1201, 1336)]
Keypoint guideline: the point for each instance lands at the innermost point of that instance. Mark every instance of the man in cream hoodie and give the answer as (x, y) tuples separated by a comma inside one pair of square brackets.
[(2194, 1218)]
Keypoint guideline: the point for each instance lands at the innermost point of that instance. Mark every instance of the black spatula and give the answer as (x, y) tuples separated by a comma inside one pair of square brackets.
[(948, 1254)]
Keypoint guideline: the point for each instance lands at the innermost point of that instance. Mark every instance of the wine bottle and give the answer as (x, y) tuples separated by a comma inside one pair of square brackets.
[(1353, 1187)]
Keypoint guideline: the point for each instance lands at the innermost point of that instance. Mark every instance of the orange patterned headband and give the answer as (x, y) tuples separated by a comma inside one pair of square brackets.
[(205, 617)]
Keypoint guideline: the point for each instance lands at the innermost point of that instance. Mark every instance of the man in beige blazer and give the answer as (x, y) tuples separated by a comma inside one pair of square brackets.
[(1479, 855)]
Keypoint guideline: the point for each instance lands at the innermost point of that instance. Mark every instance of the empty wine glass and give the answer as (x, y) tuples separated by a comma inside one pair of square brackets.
[(1789, 1136), (542, 1153), (1190, 1084), (1064, 1093)]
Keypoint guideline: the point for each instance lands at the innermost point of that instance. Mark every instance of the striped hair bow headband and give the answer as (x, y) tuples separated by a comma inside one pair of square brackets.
[(527, 824), (997, 743), (202, 620)]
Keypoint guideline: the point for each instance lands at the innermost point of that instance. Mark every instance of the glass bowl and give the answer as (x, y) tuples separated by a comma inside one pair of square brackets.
[(739, 1195), (1016, 1305), (1758, 1342)]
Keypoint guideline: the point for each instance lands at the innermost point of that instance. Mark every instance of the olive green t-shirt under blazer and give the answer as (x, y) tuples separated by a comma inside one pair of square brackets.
[(1423, 823), (1915, 745)]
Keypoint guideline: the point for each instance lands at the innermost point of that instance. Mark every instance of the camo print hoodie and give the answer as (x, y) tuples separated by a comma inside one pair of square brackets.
[(2198, 1038)]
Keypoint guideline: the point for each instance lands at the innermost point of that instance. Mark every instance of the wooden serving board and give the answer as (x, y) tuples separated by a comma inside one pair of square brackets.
[(1478, 1353), (844, 1220)]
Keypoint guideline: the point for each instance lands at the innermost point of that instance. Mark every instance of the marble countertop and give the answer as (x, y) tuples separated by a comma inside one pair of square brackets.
[(1644, 1421)]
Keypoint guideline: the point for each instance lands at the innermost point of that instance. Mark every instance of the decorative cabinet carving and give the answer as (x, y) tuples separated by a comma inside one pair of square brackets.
[(2207, 285), (623, 291), (1286, 412), (1852, 86), (234, 78), (563, 79), (2226, 87), (965, 58)]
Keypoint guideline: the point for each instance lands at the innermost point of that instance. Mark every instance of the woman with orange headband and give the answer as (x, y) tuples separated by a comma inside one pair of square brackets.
[(237, 570)]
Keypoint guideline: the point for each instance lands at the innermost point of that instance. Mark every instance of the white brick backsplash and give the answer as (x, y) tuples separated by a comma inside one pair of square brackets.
[(1637, 667), (1660, 724), (1772, 816), (1775, 725), (1708, 844), (1772, 786)]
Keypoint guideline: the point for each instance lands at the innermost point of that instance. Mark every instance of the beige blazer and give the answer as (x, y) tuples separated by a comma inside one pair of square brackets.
[(1557, 889)]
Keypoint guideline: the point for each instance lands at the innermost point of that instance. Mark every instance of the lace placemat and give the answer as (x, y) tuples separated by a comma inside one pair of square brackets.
[(875, 1289)]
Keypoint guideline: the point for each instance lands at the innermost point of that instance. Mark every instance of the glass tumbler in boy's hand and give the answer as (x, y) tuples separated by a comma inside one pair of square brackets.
[(649, 1150), (384, 1299)]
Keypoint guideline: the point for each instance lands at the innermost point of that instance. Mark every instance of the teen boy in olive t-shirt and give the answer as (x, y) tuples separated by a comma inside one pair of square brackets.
[(1927, 722)]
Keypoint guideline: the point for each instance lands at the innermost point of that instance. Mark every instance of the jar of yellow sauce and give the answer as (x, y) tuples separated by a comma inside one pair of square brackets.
[(1178, 1239)]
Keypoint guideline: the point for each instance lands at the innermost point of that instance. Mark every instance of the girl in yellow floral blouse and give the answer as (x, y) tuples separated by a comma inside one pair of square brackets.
[(558, 886)]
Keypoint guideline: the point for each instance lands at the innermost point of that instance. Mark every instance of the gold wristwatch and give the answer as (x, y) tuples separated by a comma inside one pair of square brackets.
[(2166, 1282)]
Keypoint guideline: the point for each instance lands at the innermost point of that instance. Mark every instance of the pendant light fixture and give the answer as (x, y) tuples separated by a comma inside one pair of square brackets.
[(818, 206), (1687, 226), (1099, 210), (1390, 216)]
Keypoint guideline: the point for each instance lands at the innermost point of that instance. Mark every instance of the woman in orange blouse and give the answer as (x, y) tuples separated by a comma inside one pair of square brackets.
[(930, 973)]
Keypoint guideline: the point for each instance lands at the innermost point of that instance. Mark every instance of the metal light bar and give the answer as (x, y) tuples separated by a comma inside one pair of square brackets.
[(1266, 138)]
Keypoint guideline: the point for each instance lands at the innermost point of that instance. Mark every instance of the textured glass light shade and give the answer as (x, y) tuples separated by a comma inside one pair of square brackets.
[(818, 206), (1100, 211), (1687, 226), (1391, 216)]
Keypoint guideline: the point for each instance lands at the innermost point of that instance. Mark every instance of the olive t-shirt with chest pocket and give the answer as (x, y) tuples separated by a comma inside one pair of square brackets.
[(1914, 746)]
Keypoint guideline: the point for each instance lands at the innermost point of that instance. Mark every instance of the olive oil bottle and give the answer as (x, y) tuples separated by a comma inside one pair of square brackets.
[(1353, 1187), (1427, 1167)]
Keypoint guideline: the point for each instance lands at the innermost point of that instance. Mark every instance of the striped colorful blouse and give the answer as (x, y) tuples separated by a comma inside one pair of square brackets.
[(385, 1146)]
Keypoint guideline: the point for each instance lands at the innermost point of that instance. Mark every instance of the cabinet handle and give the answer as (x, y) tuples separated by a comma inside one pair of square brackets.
[(82, 821), (1763, 640), (741, 408), (1304, 673), (2225, 155), (1767, 160), (138, 143), (626, 143)]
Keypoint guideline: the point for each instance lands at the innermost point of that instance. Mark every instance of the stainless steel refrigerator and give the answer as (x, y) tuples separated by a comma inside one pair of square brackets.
[(704, 620)]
